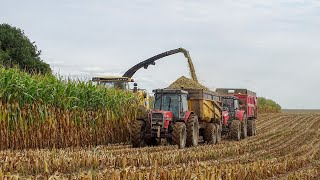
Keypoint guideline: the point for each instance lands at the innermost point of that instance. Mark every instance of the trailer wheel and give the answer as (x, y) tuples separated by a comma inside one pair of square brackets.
[(210, 133), (235, 130), (251, 127), (179, 135), (244, 125), (192, 131), (219, 131), (136, 134)]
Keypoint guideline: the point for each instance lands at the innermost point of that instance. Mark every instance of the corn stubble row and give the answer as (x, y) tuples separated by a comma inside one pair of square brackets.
[(273, 153), (45, 112)]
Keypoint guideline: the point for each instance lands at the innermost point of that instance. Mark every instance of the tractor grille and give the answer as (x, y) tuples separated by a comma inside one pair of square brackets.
[(156, 119)]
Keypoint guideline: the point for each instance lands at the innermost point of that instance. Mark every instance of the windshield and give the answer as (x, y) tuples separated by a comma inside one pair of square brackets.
[(116, 85), (228, 104), (167, 102)]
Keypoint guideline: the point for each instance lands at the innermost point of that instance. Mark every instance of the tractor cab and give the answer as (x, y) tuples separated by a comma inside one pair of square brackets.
[(230, 104), (113, 82), (174, 101), (122, 83), (170, 106)]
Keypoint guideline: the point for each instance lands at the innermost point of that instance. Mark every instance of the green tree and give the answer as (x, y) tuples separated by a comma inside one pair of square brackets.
[(17, 50), (268, 106)]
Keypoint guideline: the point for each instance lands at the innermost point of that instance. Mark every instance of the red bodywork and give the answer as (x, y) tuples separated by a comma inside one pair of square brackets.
[(226, 117), (167, 115), (250, 103), (186, 117), (240, 114)]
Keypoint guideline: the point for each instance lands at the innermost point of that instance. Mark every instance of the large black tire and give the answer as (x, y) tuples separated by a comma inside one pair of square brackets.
[(179, 135), (235, 130), (251, 127), (192, 131), (219, 131), (137, 130), (244, 129), (210, 133)]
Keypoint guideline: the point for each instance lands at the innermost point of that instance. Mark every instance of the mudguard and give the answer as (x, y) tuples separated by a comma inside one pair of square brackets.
[(186, 117), (225, 116), (240, 115)]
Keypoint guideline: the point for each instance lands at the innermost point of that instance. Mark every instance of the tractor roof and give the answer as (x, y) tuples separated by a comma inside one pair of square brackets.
[(231, 91), (170, 91), (229, 97), (112, 79)]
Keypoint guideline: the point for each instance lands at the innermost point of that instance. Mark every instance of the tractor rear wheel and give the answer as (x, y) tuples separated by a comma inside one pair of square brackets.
[(210, 133), (179, 135), (251, 127), (219, 130), (192, 131), (137, 129), (235, 130), (244, 125)]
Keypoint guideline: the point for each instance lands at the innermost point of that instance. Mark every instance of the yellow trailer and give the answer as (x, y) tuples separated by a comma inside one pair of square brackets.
[(205, 104)]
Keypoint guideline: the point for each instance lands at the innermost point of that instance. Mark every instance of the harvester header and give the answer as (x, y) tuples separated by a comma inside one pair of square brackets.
[(112, 79)]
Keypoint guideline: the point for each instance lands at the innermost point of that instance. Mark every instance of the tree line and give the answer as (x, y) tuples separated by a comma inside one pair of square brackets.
[(16, 50), (268, 106)]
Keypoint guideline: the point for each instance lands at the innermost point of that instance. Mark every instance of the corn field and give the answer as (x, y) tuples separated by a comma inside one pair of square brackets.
[(287, 146), (52, 128), (48, 112)]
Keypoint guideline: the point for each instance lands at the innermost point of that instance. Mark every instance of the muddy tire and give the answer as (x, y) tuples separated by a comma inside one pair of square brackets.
[(252, 127), (244, 127), (179, 135), (137, 130), (219, 131), (235, 130), (192, 131), (210, 133)]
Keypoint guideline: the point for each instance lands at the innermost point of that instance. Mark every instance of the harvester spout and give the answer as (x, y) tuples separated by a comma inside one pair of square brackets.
[(151, 61)]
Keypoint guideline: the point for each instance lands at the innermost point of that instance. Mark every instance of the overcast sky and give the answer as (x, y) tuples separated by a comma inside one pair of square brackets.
[(271, 46)]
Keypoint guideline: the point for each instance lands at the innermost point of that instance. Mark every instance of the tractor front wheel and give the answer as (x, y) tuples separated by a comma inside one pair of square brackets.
[(179, 135), (235, 130), (210, 133), (137, 129), (192, 131)]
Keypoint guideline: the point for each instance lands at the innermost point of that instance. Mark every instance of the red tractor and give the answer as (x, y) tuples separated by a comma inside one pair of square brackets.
[(239, 112)]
